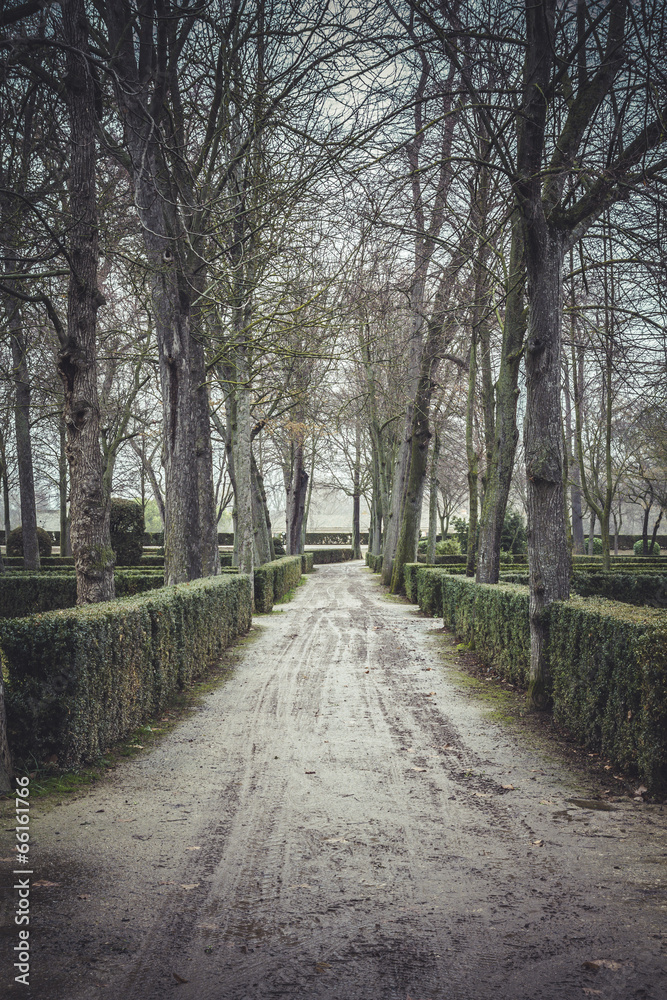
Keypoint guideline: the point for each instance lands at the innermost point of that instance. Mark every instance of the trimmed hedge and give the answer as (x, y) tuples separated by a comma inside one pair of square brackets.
[(81, 679), (15, 542), (307, 562), (126, 525), (608, 662), (374, 562), (630, 588), (28, 593), (325, 556), (334, 538), (275, 579), (45, 562), (609, 674)]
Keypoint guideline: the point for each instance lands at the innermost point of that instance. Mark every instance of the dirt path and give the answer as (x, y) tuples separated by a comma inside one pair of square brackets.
[(339, 822)]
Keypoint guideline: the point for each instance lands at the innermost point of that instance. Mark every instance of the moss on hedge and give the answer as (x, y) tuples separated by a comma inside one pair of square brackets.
[(80, 679)]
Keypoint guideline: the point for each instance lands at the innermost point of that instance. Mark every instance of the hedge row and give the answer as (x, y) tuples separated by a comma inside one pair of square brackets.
[(24, 594), (642, 589), (323, 556), (307, 562), (608, 662), (631, 588), (275, 579), (82, 678), (374, 562), (62, 562)]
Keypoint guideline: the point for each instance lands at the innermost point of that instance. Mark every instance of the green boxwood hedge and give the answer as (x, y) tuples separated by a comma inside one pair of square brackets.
[(307, 562), (609, 673), (374, 562), (608, 662), (80, 679), (323, 556), (126, 526), (45, 562), (15, 543), (275, 579), (28, 593), (631, 588)]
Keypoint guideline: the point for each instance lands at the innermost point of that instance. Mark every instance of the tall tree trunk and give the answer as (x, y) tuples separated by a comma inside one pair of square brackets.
[(77, 359), (243, 470), (6, 768), (433, 499), (260, 516), (472, 457), (22, 393), (406, 549), (143, 113), (548, 556), (506, 434), (309, 496), (65, 549), (5, 487), (356, 493), (296, 501), (208, 521)]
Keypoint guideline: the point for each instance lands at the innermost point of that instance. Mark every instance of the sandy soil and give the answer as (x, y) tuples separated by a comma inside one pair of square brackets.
[(343, 821)]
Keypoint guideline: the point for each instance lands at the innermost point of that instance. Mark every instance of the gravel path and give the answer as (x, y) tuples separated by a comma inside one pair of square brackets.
[(342, 821)]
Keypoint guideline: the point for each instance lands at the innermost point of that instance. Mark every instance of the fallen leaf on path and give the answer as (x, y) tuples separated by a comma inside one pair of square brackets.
[(417, 768), (336, 840), (538, 843), (322, 966), (189, 885), (141, 836), (546, 802), (179, 979), (193, 848), (84, 895), (43, 883), (136, 746), (310, 772), (509, 788), (641, 790)]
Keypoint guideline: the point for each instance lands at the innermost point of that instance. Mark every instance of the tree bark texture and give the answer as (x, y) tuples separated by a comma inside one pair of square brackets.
[(356, 493), (142, 94), (406, 549), (433, 499), (22, 394), (208, 521), (548, 556), (472, 458), (296, 502), (506, 434), (261, 519), (243, 474), (77, 359)]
